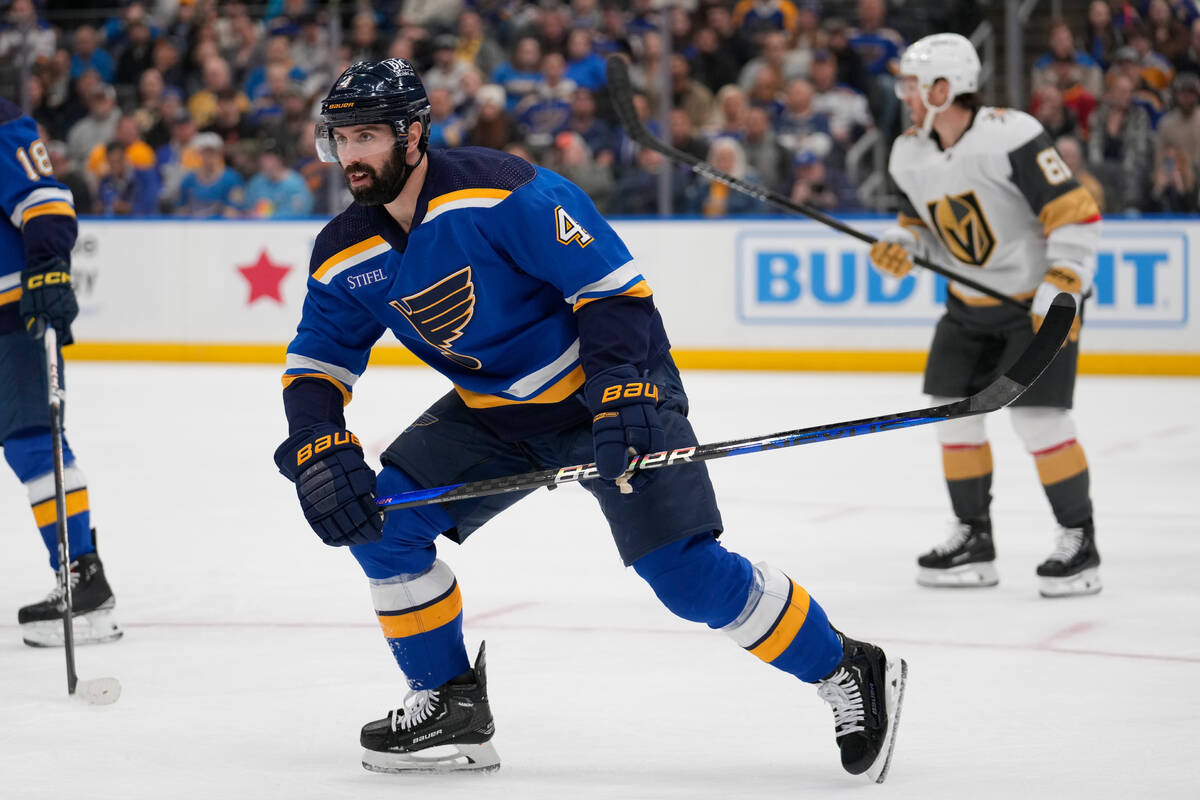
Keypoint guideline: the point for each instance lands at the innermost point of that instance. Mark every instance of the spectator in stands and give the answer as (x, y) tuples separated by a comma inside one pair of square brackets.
[(636, 192), (1129, 63), (645, 72), (1056, 118), (86, 54), (278, 57), (24, 32), (850, 69), (845, 107), (1189, 59), (125, 191), (720, 20), (70, 176), (688, 94), (799, 118), (756, 17), (764, 154), (137, 53), (364, 41), (714, 65), (1174, 187), (242, 46), (1180, 127), (584, 64), (139, 155), (475, 46), (212, 190), (494, 127), (820, 185), (683, 135), (98, 126), (150, 113), (546, 112), (1072, 155), (277, 192), (218, 78), (879, 47), (1168, 36), (310, 49), (712, 198), (447, 70), (729, 116), (230, 122), (446, 128), (1064, 65), (520, 76), (597, 134), (573, 160), (177, 157), (1119, 145), (166, 61), (1101, 38), (776, 53), (807, 35)]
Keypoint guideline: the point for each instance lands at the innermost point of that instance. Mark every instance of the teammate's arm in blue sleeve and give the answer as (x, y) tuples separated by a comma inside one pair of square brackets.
[(553, 231), (327, 356), (36, 204)]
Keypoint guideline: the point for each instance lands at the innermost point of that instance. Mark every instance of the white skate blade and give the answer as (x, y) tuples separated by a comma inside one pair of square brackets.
[(444, 758), (1082, 583), (94, 627), (896, 678), (978, 574), (98, 691)]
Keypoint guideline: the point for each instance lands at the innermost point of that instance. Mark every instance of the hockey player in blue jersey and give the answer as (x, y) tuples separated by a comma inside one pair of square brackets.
[(503, 277), (35, 289)]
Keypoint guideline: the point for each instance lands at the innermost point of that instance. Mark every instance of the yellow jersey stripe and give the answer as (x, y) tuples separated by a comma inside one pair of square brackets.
[(344, 255), (1077, 205), (985, 300), (788, 626), (556, 392), (639, 289), (398, 626), (288, 380), (46, 512), (11, 296), (466, 194), (57, 207)]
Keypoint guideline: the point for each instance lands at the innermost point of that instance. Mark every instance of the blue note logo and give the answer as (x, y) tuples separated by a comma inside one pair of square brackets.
[(441, 312)]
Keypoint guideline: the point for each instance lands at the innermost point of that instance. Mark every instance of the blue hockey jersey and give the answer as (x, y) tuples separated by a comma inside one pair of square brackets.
[(39, 211), (511, 284)]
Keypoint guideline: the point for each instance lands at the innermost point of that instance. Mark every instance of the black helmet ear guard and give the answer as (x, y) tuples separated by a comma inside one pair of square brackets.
[(373, 92)]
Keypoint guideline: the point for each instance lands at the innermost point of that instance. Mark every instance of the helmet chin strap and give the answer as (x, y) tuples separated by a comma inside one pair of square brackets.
[(405, 172), (931, 111)]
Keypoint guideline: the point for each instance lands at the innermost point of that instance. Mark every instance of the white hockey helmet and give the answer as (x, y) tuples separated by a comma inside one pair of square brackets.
[(941, 56)]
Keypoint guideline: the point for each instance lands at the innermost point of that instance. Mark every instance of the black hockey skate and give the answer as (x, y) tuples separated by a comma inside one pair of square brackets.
[(445, 729), (92, 604), (866, 692), (1073, 568), (967, 558)]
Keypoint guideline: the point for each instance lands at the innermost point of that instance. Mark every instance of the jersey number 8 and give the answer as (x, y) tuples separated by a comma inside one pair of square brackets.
[(1053, 167), (38, 158)]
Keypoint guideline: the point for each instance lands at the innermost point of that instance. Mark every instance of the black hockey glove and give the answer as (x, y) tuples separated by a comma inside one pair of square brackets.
[(626, 416), (47, 294), (335, 486)]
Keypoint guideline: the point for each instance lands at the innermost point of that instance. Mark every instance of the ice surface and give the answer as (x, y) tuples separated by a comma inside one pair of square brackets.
[(251, 656)]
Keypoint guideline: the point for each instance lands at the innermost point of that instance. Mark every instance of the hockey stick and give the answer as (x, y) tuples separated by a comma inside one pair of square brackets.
[(99, 691), (621, 92), (1002, 391)]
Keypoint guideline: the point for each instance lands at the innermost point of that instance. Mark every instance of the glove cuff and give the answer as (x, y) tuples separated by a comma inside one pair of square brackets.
[(297, 453)]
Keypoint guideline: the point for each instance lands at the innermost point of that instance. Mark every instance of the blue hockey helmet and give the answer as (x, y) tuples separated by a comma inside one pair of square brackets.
[(374, 92)]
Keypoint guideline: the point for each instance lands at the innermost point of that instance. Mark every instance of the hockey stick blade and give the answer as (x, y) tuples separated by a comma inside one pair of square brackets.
[(621, 95), (1008, 387), (98, 691)]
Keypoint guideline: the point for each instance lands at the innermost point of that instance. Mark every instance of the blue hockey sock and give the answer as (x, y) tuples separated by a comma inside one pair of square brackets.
[(31, 456)]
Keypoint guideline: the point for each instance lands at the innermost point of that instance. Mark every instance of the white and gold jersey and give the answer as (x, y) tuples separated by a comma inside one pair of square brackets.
[(1000, 206)]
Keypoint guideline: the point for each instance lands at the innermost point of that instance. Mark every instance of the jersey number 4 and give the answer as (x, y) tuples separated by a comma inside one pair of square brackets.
[(35, 161), (568, 230)]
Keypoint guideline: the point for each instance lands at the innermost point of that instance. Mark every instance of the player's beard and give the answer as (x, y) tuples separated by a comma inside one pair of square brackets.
[(385, 184)]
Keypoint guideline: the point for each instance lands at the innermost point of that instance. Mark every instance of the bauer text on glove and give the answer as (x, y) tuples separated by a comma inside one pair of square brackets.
[(625, 409), (335, 486)]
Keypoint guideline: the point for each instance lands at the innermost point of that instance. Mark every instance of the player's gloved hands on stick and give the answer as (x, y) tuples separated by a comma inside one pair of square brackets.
[(335, 486), (1058, 279), (892, 253), (47, 297), (625, 406)]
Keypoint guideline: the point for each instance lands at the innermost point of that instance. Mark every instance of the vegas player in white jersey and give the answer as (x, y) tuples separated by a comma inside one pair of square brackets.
[(986, 195)]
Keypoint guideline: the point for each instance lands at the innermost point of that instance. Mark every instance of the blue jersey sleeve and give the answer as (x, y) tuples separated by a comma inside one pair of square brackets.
[(552, 231), (40, 208)]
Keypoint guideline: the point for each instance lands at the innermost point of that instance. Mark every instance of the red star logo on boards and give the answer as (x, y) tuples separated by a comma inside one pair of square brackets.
[(265, 278)]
